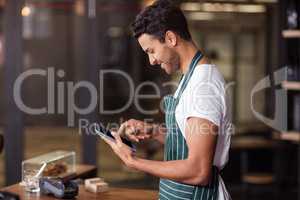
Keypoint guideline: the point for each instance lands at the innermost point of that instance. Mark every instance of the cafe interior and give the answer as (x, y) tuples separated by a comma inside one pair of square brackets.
[(65, 64)]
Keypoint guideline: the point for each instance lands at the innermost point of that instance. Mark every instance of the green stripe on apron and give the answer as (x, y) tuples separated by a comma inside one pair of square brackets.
[(177, 149)]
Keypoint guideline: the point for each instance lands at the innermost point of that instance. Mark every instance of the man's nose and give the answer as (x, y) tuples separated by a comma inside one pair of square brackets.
[(153, 61)]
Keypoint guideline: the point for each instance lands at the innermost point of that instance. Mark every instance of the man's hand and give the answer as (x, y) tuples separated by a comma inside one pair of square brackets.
[(121, 149), (136, 130)]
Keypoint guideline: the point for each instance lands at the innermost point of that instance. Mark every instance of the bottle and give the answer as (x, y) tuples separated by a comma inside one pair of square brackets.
[(292, 15), (293, 60), (292, 73), (296, 118)]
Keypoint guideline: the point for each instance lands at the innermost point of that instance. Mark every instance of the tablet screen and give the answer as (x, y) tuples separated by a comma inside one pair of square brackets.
[(102, 131)]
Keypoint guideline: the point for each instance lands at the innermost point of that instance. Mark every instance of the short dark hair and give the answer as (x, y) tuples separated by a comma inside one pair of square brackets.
[(158, 18)]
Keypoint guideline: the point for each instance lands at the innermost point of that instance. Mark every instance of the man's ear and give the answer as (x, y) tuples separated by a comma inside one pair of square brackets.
[(171, 38)]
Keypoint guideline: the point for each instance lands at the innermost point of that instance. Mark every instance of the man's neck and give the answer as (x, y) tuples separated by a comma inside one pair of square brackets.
[(187, 52)]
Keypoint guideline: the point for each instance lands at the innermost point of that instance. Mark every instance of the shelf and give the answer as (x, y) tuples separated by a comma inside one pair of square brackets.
[(292, 136), (291, 33), (251, 142), (291, 85)]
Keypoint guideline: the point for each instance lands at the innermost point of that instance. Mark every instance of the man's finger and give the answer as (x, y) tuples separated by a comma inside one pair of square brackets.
[(131, 130), (122, 129), (117, 137), (108, 141), (133, 138)]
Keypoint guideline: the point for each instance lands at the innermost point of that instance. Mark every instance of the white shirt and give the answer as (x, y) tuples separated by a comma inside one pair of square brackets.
[(205, 97)]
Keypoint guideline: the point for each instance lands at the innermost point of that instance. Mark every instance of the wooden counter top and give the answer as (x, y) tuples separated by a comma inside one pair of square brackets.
[(112, 194)]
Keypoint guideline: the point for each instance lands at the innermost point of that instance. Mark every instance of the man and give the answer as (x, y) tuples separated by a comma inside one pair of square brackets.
[(196, 136)]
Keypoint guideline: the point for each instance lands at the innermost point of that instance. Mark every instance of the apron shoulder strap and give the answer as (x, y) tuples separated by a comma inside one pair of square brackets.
[(188, 75)]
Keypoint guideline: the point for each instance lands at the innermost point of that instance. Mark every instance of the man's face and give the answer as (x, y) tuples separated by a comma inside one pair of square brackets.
[(160, 53)]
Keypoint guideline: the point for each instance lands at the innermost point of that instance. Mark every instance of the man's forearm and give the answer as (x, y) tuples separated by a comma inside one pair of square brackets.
[(177, 170), (159, 133)]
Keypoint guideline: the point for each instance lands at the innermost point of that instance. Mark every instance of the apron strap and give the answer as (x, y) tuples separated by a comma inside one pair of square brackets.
[(185, 78)]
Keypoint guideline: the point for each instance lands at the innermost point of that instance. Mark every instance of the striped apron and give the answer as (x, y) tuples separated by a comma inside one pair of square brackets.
[(177, 149)]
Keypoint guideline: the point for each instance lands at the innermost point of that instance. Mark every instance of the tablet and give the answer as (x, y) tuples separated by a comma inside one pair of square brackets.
[(103, 132)]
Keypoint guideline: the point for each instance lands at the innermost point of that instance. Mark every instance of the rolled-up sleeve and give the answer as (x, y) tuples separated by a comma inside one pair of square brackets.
[(205, 100)]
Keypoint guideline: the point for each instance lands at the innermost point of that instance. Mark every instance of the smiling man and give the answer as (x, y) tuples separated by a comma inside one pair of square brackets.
[(198, 124)]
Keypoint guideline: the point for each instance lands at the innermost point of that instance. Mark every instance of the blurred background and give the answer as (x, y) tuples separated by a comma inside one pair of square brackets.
[(247, 39)]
